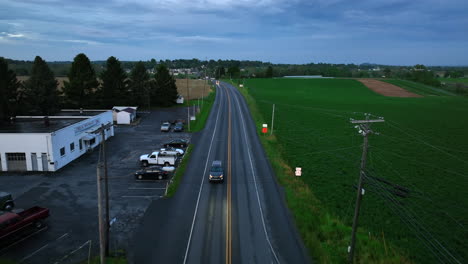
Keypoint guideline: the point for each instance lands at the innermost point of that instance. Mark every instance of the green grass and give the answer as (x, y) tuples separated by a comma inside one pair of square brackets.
[(199, 123), (418, 88), (422, 146), (179, 172), (454, 80)]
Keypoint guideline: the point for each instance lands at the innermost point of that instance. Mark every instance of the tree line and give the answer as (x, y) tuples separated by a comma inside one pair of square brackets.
[(39, 95)]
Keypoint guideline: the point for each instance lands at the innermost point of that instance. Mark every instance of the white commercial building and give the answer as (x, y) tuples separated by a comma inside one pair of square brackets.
[(38, 143)]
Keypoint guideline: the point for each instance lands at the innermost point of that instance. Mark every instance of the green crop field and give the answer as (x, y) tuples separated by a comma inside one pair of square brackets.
[(454, 80), (417, 169), (418, 88)]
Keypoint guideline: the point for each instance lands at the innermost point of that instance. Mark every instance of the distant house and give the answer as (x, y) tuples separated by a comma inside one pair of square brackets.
[(124, 114)]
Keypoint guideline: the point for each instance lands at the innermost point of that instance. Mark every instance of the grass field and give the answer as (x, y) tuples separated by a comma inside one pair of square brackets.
[(196, 88), (422, 148)]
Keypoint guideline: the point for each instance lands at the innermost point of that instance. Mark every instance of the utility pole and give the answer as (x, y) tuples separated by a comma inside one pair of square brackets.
[(102, 237), (188, 100), (104, 225), (364, 130), (272, 119), (106, 186)]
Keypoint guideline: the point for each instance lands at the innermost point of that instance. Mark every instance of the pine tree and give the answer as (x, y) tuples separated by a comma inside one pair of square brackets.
[(140, 85), (41, 92), (81, 83), (9, 91), (113, 89), (166, 89)]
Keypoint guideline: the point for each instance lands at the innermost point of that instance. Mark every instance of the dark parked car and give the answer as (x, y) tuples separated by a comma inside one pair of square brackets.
[(6, 201), (152, 172), (216, 172), (177, 143), (179, 127)]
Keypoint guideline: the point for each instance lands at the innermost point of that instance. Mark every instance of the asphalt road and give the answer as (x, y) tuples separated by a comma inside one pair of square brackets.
[(243, 220)]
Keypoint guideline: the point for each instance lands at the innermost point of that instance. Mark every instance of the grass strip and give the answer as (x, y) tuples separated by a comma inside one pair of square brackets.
[(325, 236), (179, 172), (200, 121), (418, 88)]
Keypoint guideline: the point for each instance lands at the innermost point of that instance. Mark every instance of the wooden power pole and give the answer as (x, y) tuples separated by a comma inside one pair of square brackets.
[(104, 224), (364, 130)]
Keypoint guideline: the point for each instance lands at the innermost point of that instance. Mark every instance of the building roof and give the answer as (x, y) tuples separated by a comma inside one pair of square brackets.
[(37, 124), (129, 110), (21, 125)]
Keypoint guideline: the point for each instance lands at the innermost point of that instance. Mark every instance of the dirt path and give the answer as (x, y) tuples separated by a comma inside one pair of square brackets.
[(386, 89)]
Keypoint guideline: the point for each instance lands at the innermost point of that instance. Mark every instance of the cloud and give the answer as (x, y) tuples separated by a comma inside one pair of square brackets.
[(81, 41)]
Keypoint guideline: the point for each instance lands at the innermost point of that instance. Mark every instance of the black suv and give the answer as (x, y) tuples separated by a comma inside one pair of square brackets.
[(179, 127), (152, 172), (216, 172)]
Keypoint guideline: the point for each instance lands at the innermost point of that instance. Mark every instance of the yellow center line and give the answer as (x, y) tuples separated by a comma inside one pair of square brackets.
[(228, 206)]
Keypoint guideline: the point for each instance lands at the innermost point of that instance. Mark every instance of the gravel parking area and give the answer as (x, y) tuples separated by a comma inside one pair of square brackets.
[(71, 195)]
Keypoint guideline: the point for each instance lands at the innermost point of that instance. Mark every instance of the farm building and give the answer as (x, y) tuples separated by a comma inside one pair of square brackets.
[(124, 114), (48, 143)]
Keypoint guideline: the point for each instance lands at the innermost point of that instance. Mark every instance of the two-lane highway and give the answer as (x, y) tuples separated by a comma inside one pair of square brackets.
[(243, 220)]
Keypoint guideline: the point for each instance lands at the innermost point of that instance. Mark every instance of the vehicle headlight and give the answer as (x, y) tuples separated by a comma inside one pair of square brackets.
[(211, 176), (221, 176)]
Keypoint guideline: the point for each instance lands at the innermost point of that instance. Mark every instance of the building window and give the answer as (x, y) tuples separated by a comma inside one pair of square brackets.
[(72, 146), (62, 151), (81, 144), (92, 141)]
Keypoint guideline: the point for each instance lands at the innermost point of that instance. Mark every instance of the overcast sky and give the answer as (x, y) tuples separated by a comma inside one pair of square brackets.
[(431, 32)]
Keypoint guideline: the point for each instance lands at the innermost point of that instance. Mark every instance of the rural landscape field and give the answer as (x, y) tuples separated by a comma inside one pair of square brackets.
[(415, 184)]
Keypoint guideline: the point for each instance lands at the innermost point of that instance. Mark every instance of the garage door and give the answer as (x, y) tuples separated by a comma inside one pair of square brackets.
[(16, 161)]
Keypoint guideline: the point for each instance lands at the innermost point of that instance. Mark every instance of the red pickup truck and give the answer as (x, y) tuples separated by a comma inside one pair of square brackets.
[(14, 223)]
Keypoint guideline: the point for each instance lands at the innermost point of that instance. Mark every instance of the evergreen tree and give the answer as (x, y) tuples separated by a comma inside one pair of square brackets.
[(140, 86), (41, 89), (81, 83), (113, 90), (166, 89), (9, 91), (269, 72)]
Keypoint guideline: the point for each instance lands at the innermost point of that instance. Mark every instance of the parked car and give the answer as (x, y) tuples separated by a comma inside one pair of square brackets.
[(171, 150), (158, 158), (14, 223), (165, 127), (177, 143), (216, 172), (179, 127), (153, 173), (6, 201)]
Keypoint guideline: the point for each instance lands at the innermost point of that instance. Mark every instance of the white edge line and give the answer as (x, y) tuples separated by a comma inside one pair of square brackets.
[(201, 187), (64, 235), (32, 254), (255, 183)]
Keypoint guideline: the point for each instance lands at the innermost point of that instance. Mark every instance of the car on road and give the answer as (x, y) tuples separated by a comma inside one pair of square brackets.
[(6, 201), (165, 127), (177, 143), (153, 173), (179, 127), (12, 224), (216, 172)]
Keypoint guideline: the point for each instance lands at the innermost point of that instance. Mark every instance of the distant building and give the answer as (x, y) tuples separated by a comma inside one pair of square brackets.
[(48, 143), (124, 114)]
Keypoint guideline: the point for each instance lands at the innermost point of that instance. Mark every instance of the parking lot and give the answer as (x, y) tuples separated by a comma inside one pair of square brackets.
[(71, 195)]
